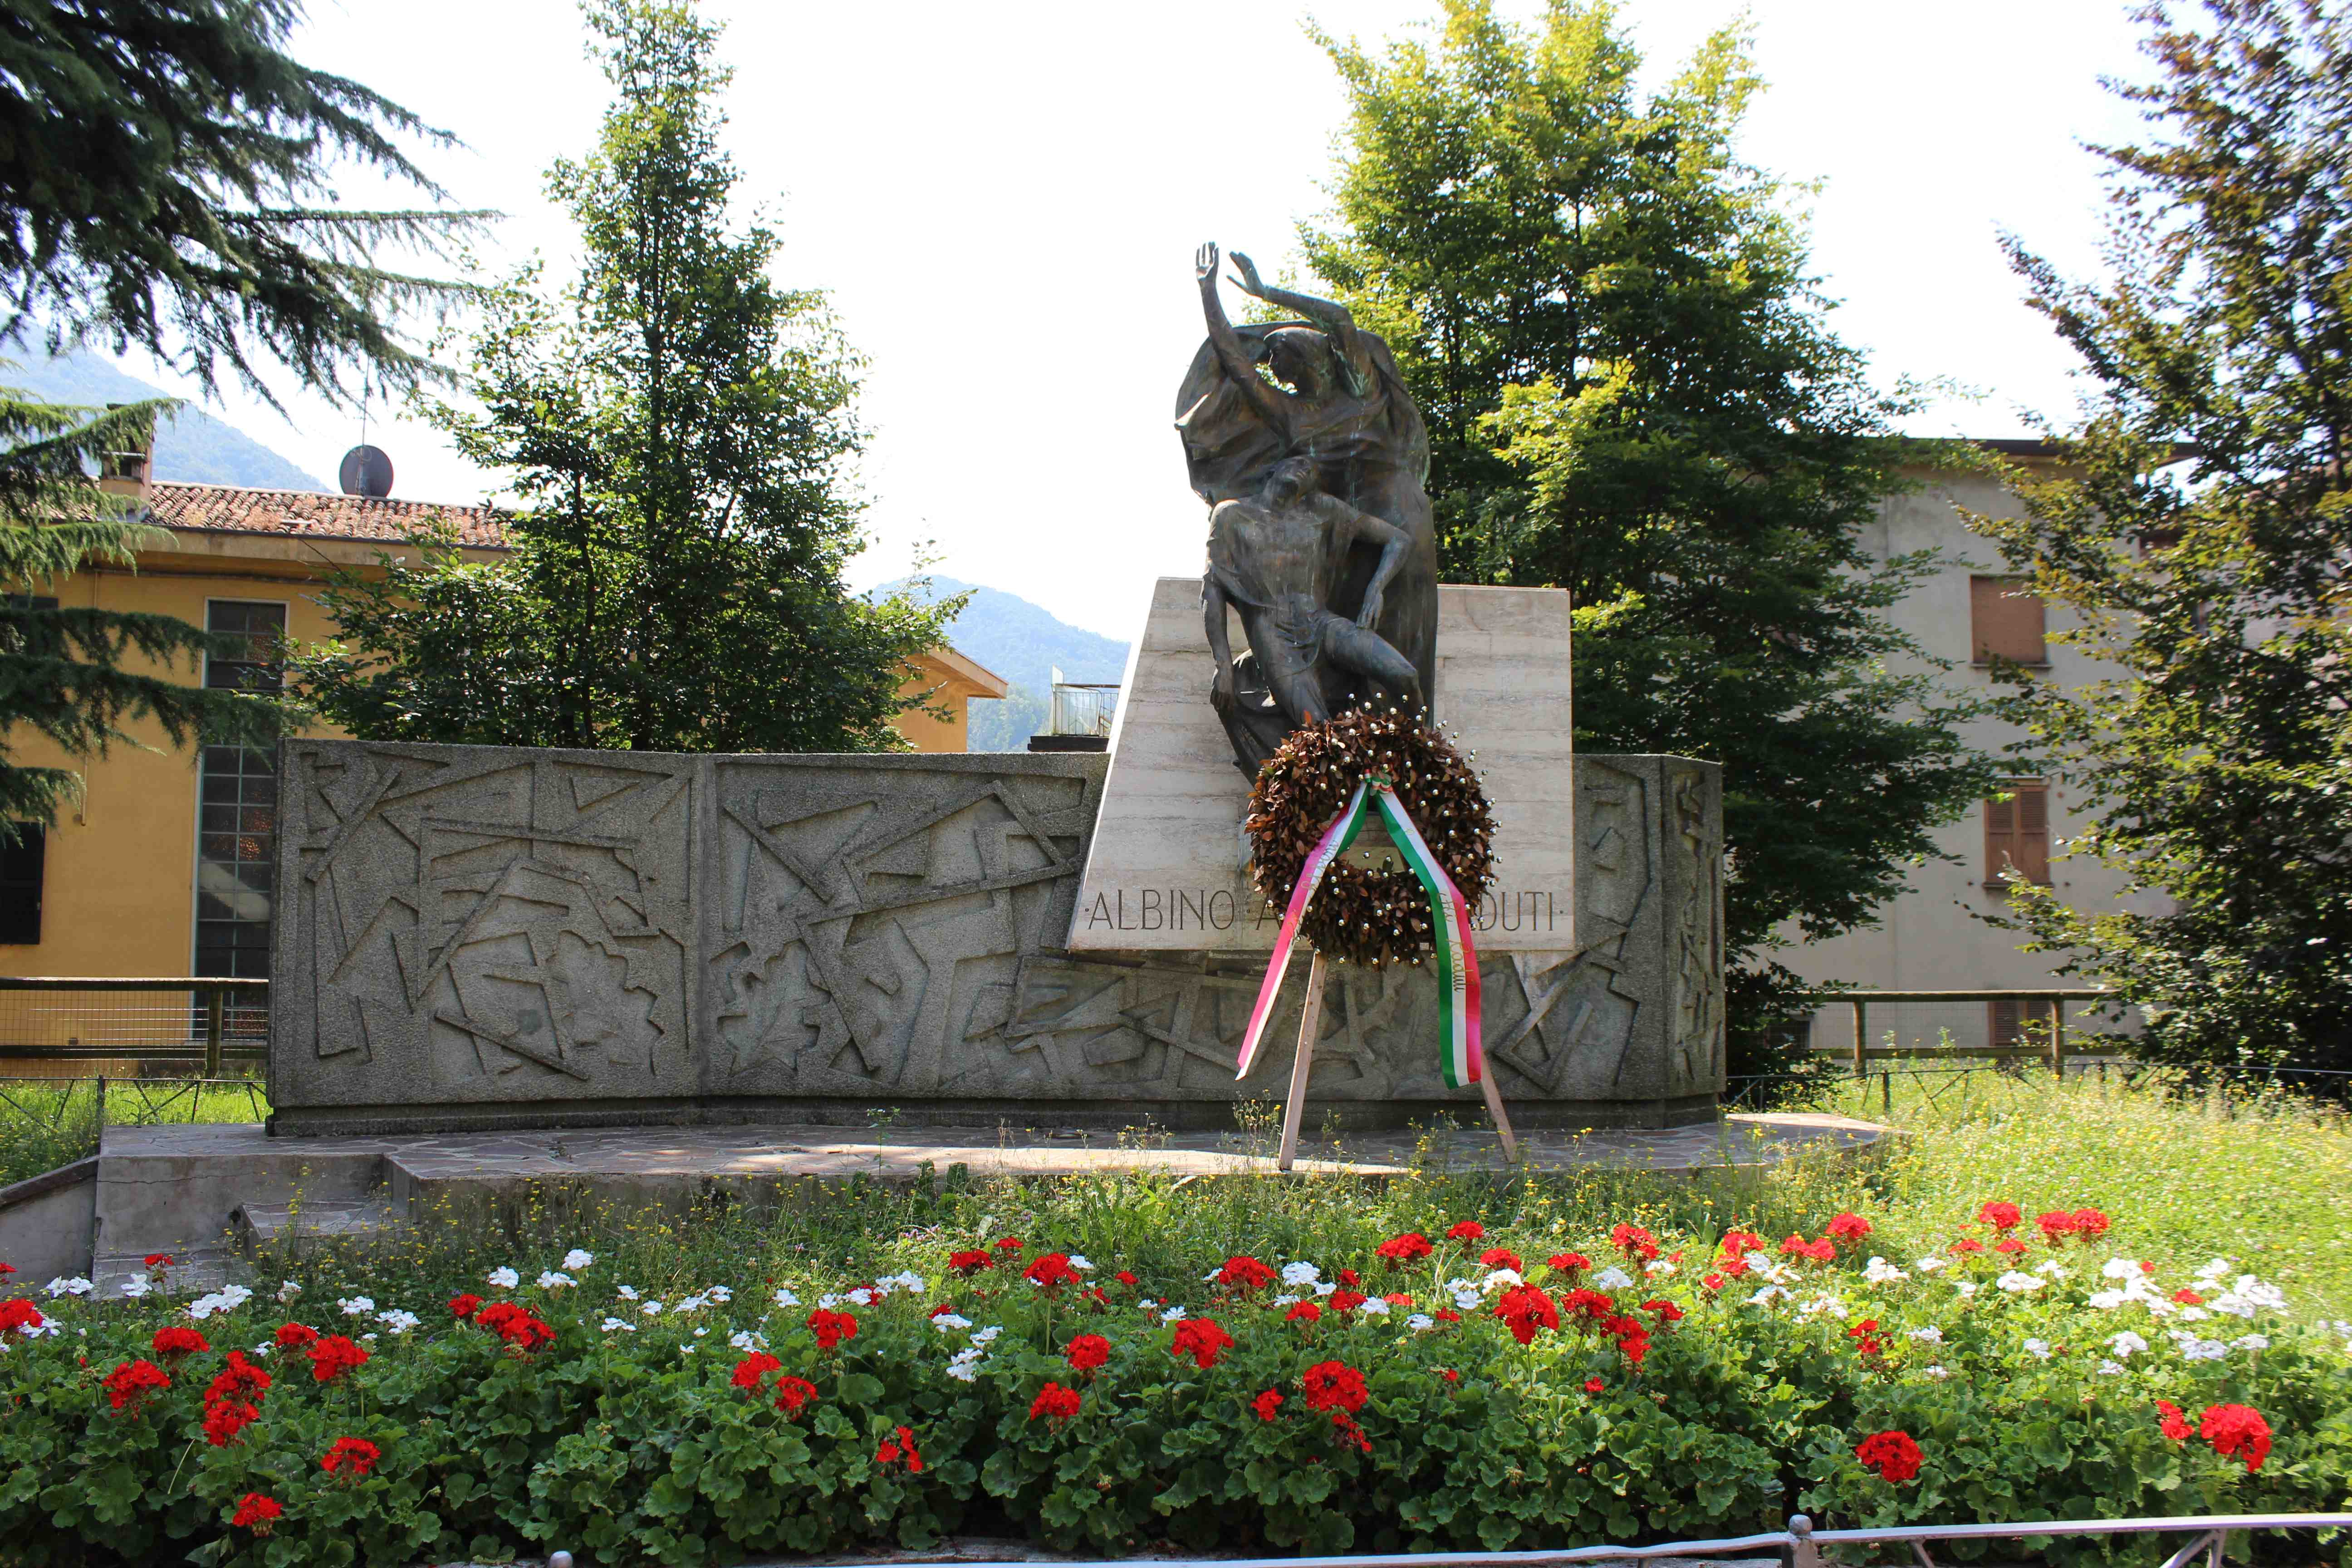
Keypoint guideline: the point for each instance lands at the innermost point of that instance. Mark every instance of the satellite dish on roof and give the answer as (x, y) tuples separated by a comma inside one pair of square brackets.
[(366, 471)]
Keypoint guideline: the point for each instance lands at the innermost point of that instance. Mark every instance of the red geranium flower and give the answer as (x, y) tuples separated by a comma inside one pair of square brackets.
[(2188, 1297), (1848, 1227), (900, 1448), (1668, 1311), (1634, 1242), (19, 1314), (832, 1328), (1405, 1248), (1125, 1277), (293, 1334), (1346, 1300), (1500, 1258), (1048, 1269), (239, 1378), (1732, 1257), (1266, 1403), (1632, 1337), (1893, 1455), (1524, 1309), (464, 1305), (2174, 1424), (1245, 1275), (1010, 1243), (354, 1456), (516, 1324), (1201, 1339), (2237, 1431), (1867, 1337), (333, 1357), (1466, 1230), (1822, 1251), (2090, 1224), (1999, 1216), (969, 1263), (753, 1369), (1447, 1315), (1712, 1282), (7, 1268), (1054, 1403), (1303, 1312), (174, 1340), (793, 1394), (2009, 1243), (2057, 1222), (256, 1513), (159, 1260), (1968, 1247), (1349, 1277), (225, 1418), (1568, 1262), (1449, 1374), (1334, 1386), (129, 1384), (1594, 1385), (1088, 1353), (1398, 1298)]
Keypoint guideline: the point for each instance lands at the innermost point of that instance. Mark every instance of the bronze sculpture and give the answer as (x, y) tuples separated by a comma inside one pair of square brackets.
[(1323, 456)]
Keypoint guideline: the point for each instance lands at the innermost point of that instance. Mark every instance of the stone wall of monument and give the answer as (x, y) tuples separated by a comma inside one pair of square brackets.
[(480, 936)]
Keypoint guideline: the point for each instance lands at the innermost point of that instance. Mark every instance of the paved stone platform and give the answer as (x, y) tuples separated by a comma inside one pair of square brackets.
[(203, 1192)]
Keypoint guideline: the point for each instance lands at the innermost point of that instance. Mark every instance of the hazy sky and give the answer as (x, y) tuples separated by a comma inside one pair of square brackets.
[(1004, 202)]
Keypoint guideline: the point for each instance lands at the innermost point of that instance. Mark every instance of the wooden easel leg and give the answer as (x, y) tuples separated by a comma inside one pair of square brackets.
[(1494, 1109), (1310, 1022)]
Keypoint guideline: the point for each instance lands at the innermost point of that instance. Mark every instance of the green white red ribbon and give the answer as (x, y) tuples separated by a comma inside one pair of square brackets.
[(1457, 955)]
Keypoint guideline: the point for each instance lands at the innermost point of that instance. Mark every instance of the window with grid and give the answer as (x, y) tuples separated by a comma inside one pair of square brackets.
[(2017, 832), (2005, 622), (22, 862), (236, 809)]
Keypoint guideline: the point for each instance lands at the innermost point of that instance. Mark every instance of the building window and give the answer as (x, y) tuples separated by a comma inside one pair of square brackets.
[(2005, 1023), (21, 862), (2017, 832), (236, 811), (2005, 622)]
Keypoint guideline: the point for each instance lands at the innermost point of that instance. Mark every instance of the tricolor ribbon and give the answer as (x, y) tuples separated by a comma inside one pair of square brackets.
[(1457, 956)]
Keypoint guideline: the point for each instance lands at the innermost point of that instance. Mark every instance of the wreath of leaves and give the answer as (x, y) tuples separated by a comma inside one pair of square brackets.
[(1359, 915)]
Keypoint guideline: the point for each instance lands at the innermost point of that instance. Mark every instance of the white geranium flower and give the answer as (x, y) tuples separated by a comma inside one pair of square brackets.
[(1077, 1262), (2248, 1295), (1930, 1335), (2107, 1300), (650, 1309), (1762, 1263), (862, 1297), (785, 1298), (2120, 1268), (1373, 1306), (626, 1292), (983, 1336), (2213, 1268), (964, 1365), (1878, 1271), (551, 1279), (1467, 1301), (699, 1334), (723, 1294), (2037, 1349), (1931, 1265), (1821, 1304), (227, 1299), (2053, 1268), (287, 1291), (1938, 1373), (356, 1306), (1211, 1277), (949, 1322), (691, 1304), (1966, 1287), (398, 1321), (2110, 1369), (1172, 1315), (1324, 1287), (1421, 1323), (136, 1286), (747, 1342), (505, 1279), (1504, 1278), (1148, 1304), (1769, 1294), (2194, 1349), (2018, 1284), (1658, 1268), (1613, 1279), (367, 1339), (2126, 1344), (827, 1302), (577, 1258), (2250, 1342), (1299, 1276), (2194, 1314), (619, 1326)]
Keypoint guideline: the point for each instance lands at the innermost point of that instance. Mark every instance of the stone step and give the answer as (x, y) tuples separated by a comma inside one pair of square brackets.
[(297, 1226)]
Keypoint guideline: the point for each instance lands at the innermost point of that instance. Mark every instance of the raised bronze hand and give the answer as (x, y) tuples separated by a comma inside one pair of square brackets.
[(1248, 282), (1205, 262)]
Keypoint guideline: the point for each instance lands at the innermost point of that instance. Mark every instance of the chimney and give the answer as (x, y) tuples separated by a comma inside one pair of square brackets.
[(126, 473)]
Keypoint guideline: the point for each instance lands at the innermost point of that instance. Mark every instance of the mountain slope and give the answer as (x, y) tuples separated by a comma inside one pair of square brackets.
[(191, 445), (1024, 643)]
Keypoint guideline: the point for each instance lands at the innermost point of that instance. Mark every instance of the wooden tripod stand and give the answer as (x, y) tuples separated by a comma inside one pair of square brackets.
[(1310, 1022)]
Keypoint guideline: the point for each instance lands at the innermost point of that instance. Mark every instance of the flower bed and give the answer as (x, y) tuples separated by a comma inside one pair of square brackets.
[(1446, 1390)]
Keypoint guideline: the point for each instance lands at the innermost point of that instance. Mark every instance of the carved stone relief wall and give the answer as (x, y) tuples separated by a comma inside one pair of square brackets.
[(481, 936)]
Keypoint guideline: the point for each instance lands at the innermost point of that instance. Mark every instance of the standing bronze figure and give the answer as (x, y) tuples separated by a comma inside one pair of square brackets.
[(1303, 439)]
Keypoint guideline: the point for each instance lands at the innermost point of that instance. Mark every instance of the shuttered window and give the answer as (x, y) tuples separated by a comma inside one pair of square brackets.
[(2017, 832), (2005, 621), (2004, 1022), (21, 862)]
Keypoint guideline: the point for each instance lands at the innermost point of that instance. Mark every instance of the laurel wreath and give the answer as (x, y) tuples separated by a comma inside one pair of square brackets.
[(1372, 916)]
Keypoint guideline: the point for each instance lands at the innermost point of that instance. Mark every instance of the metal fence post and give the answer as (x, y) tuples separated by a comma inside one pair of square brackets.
[(213, 1000), (2058, 1037), (1803, 1553), (1861, 1035)]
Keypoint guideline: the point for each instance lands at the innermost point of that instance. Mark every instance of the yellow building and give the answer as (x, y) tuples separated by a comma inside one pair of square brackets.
[(165, 868)]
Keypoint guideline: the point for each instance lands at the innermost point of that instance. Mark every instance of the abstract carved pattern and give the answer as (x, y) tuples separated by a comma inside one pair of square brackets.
[(545, 933)]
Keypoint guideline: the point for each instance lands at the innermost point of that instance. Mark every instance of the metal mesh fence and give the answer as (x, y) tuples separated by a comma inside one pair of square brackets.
[(88, 1028), (1951, 1026)]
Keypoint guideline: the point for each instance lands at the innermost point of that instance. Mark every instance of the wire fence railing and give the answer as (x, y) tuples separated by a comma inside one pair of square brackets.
[(46, 1122), (55, 1026)]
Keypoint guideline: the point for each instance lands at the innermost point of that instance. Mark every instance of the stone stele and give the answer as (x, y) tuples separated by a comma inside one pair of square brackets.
[(1168, 869), (485, 937)]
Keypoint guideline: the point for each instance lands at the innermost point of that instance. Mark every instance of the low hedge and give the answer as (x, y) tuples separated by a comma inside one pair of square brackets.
[(1440, 1392)]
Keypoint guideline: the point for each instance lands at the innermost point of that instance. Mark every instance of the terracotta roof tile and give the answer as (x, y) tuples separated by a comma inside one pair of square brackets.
[(313, 514)]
